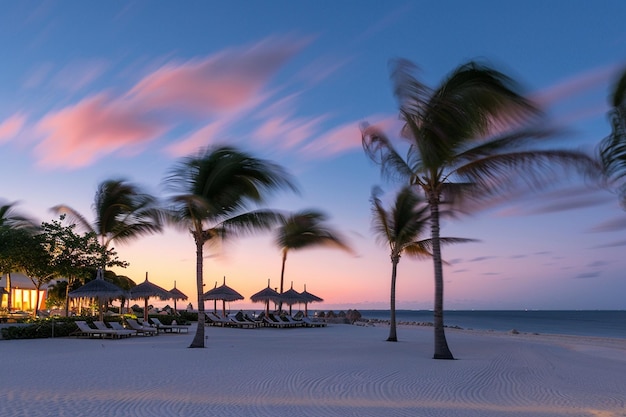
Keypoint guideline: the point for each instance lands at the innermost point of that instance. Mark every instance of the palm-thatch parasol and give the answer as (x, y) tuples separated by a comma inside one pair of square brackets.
[(177, 295), (224, 293), (266, 295), (291, 297), (145, 290), (100, 289), (309, 298)]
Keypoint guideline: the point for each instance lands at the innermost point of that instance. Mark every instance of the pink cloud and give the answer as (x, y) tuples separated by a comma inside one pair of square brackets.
[(288, 133), (198, 139), (336, 141), (579, 84), (223, 82), (96, 126), (11, 126)]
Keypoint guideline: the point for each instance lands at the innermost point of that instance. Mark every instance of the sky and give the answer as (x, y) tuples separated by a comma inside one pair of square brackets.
[(123, 89)]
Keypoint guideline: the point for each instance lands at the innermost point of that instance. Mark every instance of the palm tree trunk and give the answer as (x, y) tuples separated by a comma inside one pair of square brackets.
[(441, 345), (282, 277), (392, 327), (198, 339)]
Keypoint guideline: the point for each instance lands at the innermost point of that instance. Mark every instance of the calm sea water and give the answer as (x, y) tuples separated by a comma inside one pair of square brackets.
[(601, 323)]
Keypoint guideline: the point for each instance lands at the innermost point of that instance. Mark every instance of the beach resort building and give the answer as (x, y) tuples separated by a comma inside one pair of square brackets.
[(20, 293)]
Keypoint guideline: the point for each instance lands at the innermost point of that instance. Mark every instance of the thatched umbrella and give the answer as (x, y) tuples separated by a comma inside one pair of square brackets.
[(145, 290), (309, 298), (224, 293), (100, 289), (266, 295), (291, 297), (177, 295)]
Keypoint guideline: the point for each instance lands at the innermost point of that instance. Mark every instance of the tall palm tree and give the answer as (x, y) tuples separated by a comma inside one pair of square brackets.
[(401, 227), (305, 229), (612, 149), (213, 190), (469, 137), (122, 212)]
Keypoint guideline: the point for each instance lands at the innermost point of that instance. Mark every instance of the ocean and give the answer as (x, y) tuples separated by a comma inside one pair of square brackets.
[(599, 323)]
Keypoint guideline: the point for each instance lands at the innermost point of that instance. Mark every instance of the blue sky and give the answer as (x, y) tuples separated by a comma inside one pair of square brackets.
[(95, 90)]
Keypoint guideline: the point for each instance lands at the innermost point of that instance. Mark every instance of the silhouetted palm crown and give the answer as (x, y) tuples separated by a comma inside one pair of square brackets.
[(612, 149)]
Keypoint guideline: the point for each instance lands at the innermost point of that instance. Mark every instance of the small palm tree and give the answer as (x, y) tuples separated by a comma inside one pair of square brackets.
[(470, 137), (122, 212), (612, 149), (213, 190), (305, 229), (401, 227), (11, 221)]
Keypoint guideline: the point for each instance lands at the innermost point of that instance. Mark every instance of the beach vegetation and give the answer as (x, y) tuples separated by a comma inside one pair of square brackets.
[(472, 138), (401, 228), (213, 192), (305, 229), (123, 212), (11, 220), (612, 149)]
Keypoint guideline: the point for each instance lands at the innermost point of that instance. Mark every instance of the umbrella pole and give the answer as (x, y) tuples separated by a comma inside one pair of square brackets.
[(306, 311), (145, 311), (223, 308)]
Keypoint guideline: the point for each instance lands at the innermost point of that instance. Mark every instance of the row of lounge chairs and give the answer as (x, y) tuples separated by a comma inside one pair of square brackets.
[(241, 320), (117, 331)]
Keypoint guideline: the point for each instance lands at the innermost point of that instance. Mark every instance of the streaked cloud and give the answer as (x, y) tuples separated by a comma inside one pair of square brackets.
[(578, 84), (612, 225), (225, 81), (586, 275), (11, 126), (95, 127), (225, 85)]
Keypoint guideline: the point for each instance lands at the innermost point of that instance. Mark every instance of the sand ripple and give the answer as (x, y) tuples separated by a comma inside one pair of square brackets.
[(336, 371)]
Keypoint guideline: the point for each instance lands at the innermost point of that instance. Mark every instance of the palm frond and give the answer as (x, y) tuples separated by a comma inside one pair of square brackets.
[(73, 217)]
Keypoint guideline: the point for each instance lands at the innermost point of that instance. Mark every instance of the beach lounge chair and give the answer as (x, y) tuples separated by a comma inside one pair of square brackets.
[(217, 320), (142, 330), (313, 323), (271, 321), (85, 330), (240, 322), (294, 322), (171, 328), (117, 326), (119, 333)]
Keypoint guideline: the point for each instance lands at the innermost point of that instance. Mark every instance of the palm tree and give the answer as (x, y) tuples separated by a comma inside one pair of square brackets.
[(470, 137), (400, 227), (612, 149), (122, 212), (213, 190), (305, 229), (11, 220)]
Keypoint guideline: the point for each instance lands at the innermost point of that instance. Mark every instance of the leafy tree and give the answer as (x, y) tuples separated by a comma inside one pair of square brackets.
[(213, 191), (122, 212), (401, 227), (305, 229), (612, 149), (72, 256), (475, 136)]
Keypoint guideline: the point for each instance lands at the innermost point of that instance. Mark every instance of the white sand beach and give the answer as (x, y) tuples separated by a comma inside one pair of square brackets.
[(340, 370)]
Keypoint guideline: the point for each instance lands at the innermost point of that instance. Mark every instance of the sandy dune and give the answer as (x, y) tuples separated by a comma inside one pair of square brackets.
[(340, 370)]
